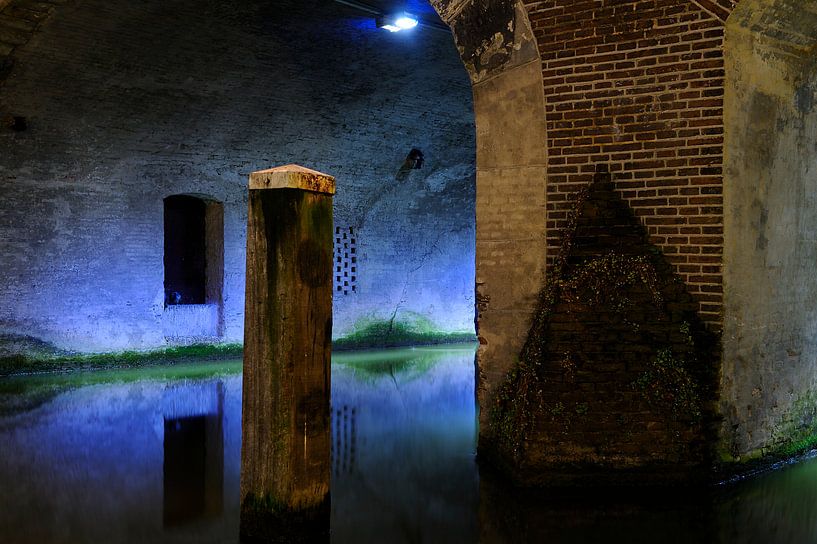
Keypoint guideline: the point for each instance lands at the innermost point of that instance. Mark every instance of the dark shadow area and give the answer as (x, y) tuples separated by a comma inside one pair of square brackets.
[(193, 468), (184, 257), (619, 371), (594, 515)]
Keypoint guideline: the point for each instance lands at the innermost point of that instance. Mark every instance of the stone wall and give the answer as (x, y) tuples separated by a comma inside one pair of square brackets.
[(126, 104), (769, 383), (19, 20)]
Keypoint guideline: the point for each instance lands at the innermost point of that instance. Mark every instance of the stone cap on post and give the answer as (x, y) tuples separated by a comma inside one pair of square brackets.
[(292, 176)]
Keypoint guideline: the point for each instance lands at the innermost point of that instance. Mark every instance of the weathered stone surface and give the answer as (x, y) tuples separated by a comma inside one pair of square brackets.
[(509, 131), (770, 341), (511, 218), (491, 36)]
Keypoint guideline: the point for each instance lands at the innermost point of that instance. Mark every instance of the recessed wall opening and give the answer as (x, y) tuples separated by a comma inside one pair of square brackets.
[(193, 265), (185, 250), (345, 260)]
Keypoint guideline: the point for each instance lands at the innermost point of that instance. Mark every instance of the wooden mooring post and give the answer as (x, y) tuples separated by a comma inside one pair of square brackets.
[(285, 454)]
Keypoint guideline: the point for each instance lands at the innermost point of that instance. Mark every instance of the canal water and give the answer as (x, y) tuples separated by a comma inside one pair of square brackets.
[(153, 456)]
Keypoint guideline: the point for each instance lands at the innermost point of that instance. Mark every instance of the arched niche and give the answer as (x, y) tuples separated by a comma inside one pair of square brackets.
[(499, 51)]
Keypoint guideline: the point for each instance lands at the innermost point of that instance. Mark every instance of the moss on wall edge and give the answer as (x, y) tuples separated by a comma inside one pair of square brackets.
[(794, 438), (40, 362), (410, 330)]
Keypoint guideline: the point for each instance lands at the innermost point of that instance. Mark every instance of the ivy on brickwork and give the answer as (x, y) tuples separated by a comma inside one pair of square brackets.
[(669, 386), (605, 279), (598, 283)]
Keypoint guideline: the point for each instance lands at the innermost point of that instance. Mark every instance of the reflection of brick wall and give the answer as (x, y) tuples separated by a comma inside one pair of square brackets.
[(638, 85), (599, 344)]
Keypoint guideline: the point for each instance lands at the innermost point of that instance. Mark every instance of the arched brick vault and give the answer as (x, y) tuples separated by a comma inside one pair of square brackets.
[(638, 86)]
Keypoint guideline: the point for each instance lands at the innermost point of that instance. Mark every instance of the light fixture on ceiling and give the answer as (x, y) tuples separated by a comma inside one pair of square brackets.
[(390, 22), (397, 22)]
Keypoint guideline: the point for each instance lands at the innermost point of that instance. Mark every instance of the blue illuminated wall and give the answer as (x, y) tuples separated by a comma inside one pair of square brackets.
[(128, 103)]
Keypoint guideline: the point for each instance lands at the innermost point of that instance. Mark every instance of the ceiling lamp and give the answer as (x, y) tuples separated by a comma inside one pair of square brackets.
[(397, 22)]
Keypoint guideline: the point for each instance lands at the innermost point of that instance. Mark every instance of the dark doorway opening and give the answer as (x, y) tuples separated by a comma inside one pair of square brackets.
[(185, 250)]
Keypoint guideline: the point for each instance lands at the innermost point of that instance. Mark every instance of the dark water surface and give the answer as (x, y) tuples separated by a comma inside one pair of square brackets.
[(153, 456)]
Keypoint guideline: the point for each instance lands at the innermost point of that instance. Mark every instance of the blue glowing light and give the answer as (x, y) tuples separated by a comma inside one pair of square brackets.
[(405, 22), (398, 22)]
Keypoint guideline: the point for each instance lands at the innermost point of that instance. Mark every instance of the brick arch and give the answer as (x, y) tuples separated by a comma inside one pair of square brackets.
[(719, 8), (497, 46), (635, 88)]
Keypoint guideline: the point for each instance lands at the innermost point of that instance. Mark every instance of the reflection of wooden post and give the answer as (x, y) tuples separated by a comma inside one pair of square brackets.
[(287, 340)]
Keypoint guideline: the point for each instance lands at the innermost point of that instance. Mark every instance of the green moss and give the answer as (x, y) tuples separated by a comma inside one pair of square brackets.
[(266, 504), (411, 330), (35, 363), (404, 364), (22, 393), (668, 385), (794, 436), (797, 432), (517, 401)]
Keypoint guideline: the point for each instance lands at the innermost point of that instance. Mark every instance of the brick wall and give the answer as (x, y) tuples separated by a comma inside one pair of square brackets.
[(638, 85), (622, 360)]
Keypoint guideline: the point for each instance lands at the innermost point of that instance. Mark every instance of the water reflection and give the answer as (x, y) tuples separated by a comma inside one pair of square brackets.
[(153, 456), (344, 440), (404, 443), (101, 461), (193, 465), (779, 506)]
